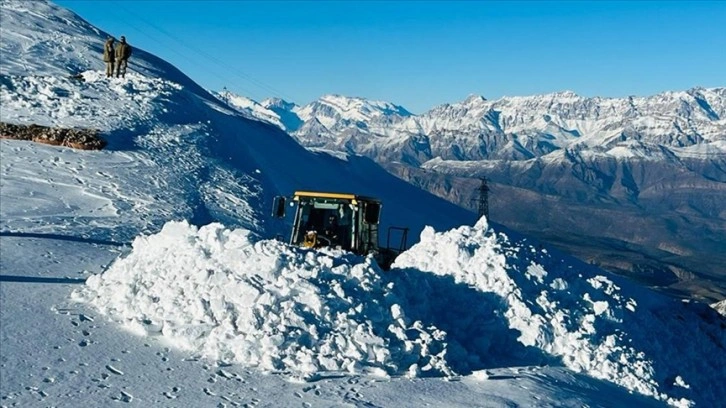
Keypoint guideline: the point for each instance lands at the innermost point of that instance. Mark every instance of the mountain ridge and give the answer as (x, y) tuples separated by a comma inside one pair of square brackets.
[(541, 123)]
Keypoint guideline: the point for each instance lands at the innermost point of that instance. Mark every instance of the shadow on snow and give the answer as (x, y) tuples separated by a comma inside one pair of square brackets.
[(478, 335), (60, 237), (34, 279)]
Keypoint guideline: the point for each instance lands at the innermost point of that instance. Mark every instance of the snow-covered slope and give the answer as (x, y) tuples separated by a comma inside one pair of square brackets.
[(29, 47), (214, 310)]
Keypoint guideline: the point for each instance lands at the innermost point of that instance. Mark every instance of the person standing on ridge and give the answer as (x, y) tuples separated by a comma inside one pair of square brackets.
[(123, 52), (108, 56)]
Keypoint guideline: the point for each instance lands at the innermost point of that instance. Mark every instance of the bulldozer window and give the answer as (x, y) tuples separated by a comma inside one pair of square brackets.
[(372, 213), (278, 207), (332, 223)]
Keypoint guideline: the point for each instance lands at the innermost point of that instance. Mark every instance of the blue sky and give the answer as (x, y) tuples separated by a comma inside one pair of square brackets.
[(423, 54)]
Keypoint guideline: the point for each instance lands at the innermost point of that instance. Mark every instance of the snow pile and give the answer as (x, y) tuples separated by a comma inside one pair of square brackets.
[(218, 293), (458, 302), (479, 260), (582, 317)]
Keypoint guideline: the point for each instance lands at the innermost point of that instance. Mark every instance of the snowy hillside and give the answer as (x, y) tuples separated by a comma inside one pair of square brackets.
[(184, 153), (146, 273)]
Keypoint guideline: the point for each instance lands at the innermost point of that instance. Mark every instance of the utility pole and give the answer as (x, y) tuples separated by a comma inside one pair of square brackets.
[(225, 95), (483, 200)]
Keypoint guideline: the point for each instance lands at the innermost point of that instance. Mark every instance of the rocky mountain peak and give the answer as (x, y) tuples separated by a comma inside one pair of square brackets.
[(474, 100), (278, 103)]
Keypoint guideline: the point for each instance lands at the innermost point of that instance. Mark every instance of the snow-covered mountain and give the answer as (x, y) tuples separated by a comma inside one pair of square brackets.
[(518, 128), (321, 122), (651, 167), (273, 110), (636, 185), (197, 313), (527, 127)]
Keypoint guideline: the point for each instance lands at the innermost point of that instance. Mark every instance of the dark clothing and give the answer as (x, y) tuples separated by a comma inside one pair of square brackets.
[(332, 231), (108, 56), (109, 69), (108, 51), (123, 52), (121, 68)]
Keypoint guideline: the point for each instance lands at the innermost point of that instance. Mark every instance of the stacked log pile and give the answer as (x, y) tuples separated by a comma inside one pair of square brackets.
[(85, 139)]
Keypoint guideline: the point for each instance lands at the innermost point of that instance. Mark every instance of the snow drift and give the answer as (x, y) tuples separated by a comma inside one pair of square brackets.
[(229, 297), (593, 322), (458, 302)]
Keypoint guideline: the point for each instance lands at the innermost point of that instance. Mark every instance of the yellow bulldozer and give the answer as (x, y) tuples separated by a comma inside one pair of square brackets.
[(339, 220)]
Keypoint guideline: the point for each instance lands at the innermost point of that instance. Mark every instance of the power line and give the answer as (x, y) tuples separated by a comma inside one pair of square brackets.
[(220, 63), (196, 63)]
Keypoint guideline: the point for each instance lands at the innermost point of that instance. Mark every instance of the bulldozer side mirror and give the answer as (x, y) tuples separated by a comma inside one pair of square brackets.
[(278, 207), (372, 213)]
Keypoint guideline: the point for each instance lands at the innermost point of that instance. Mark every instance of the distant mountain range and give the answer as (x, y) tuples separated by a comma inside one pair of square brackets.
[(687, 123), (636, 185)]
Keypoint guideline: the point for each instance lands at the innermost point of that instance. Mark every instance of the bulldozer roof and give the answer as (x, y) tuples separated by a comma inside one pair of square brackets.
[(342, 196)]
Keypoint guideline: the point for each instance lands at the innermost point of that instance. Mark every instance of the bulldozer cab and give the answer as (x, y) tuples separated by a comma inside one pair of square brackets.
[(338, 220)]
